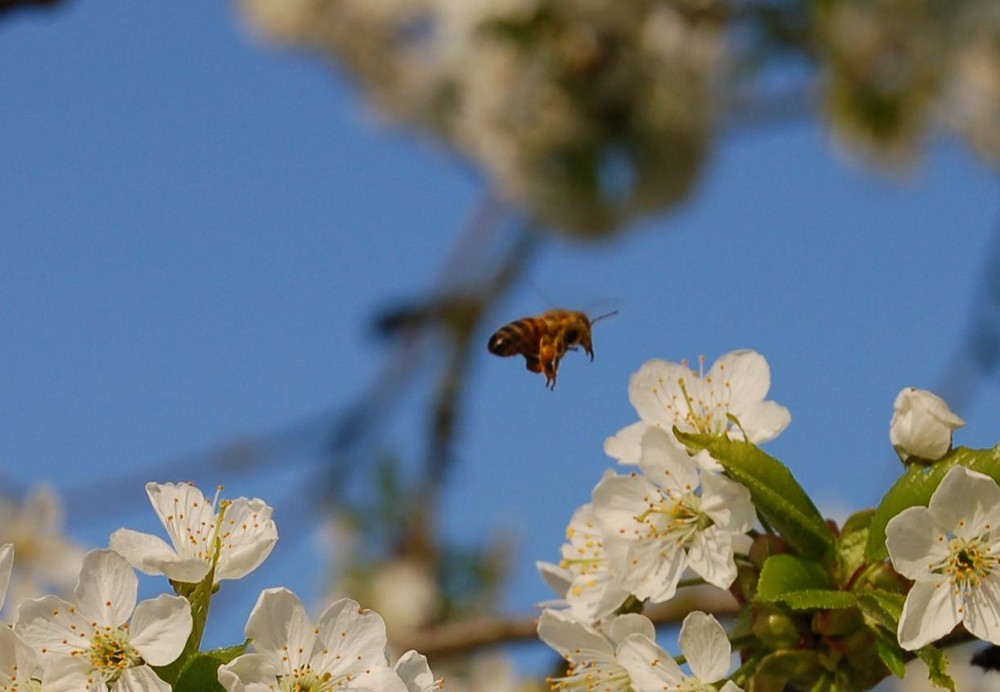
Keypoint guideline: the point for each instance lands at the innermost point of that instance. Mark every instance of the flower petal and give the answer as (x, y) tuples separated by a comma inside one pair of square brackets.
[(152, 555), (248, 536), (655, 392), (624, 444), (967, 502), (728, 503), (931, 611), (915, 541), (710, 555), (54, 626), (623, 626), (982, 610), (706, 646), (413, 670), (354, 643), (576, 641), (763, 420), (250, 673), (665, 464), (140, 679), (740, 377), (160, 628), (108, 588), (281, 629), (71, 674), (649, 667)]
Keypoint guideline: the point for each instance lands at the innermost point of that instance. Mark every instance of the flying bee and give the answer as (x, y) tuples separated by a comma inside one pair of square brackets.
[(544, 339)]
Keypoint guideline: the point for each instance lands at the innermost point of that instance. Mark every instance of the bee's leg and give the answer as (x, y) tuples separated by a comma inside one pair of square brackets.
[(548, 357)]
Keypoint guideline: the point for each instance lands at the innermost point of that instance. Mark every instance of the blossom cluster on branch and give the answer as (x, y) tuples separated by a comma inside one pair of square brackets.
[(102, 639), (821, 606)]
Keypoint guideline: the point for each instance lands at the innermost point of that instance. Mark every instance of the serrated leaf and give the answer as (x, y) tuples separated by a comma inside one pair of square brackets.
[(917, 484), (819, 599), (852, 542), (777, 496), (797, 581), (891, 654), (937, 667), (881, 609)]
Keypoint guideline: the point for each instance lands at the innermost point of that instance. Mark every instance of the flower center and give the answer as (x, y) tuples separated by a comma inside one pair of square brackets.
[(678, 520), (593, 675), (968, 563), (304, 679), (111, 653)]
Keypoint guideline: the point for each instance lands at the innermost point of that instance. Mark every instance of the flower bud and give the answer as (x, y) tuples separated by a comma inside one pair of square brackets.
[(922, 425)]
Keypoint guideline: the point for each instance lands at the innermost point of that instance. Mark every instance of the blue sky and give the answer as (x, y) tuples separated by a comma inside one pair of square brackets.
[(197, 230)]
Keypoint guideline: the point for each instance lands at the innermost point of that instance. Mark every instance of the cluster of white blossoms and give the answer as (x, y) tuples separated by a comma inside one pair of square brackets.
[(643, 530), (678, 511), (583, 114), (102, 639)]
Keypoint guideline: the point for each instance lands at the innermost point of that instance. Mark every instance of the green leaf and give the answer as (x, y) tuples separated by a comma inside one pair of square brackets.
[(881, 609), (200, 672), (891, 654), (777, 496), (915, 487), (851, 543), (799, 583), (937, 666)]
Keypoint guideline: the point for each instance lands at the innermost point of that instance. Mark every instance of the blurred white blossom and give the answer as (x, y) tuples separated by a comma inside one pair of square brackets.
[(47, 560)]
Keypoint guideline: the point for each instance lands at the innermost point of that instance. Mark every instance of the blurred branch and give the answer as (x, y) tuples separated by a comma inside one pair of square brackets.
[(452, 638), (977, 355)]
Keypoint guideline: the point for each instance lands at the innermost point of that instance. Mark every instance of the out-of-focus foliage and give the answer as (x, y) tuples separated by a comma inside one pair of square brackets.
[(588, 113)]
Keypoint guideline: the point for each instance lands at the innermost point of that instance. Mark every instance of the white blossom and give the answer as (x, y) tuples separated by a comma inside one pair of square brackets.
[(591, 652), (413, 670), (922, 425), (668, 395), (242, 529), (951, 551), (672, 517), (344, 650), (90, 643), (584, 577), (705, 645)]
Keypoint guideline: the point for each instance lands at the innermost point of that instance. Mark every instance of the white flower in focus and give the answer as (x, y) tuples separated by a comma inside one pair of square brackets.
[(658, 524), (922, 425), (246, 535), (90, 643), (46, 559), (593, 592), (345, 650), (951, 550), (703, 642), (668, 395), (593, 653), (413, 670)]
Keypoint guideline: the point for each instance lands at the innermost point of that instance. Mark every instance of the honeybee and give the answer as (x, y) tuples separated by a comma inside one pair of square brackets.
[(544, 339)]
